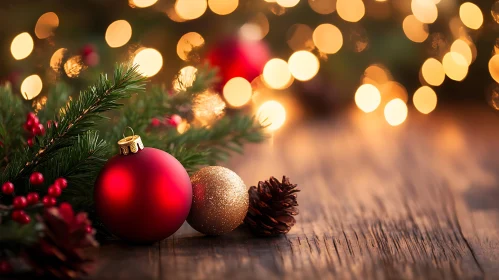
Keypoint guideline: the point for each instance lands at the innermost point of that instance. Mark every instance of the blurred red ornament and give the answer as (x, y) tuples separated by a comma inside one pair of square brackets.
[(36, 178), (89, 55), (7, 188), (62, 183), (24, 219), (174, 120), (19, 202), (155, 122), (32, 198), (49, 201), (238, 58), (144, 194)]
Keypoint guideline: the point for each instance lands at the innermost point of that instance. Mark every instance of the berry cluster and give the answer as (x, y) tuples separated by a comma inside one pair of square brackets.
[(174, 120), (19, 203), (33, 127)]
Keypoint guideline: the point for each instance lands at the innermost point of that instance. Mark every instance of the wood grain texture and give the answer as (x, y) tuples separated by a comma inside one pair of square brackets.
[(419, 201)]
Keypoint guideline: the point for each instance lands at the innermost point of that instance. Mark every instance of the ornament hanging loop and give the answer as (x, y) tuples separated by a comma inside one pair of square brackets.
[(130, 144), (129, 128)]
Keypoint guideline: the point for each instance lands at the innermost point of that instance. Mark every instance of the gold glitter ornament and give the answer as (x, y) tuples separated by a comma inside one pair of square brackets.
[(220, 200)]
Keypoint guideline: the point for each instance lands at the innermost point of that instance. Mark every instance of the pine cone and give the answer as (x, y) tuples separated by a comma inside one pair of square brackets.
[(58, 253), (271, 207)]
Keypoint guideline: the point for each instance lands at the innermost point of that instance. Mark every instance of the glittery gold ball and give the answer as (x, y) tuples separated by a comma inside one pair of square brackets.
[(220, 200)]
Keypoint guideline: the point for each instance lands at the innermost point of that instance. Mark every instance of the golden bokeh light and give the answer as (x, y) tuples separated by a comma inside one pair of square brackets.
[(256, 28), (276, 74), (272, 115), (143, 3), (185, 78), (414, 29), (494, 67), (46, 24), (287, 3), (433, 72), (303, 65), (223, 7), (424, 10), (323, 7), (31, 87), (367, 98), (149, 61), (395, 112), (328, 38), (299, 37), (237, 92), (460, 46), (495, 11), (392, 90), (56, 59), (22, 46), (187, 42), (471, 15), (455, 66), (425, 99), (190, 9), (118, 33), (73, 66), (376, 74), (208, 107), (350, 10)]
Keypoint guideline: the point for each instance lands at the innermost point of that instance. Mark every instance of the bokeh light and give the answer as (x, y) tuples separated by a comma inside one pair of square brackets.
[(73, 66), (143, 3), (223, 7), (414, 29), (118, 33), (31, 87), (276, 74), (367, 98), (22, 46), (46, 24), (494, 67), (392, 90), (471, 15), (208, 107), (463, 48), (187, 42), (395, 112), (328, 38), (495, 11), (190, 9), (323, 7), (287, 3), (299, 37), (56, 59), (149, 61), (455, 66), (272, 115), (185, 78), (237, 92), (303, 65), (350, 10), (433, 72), (376, 74), (256, 28), (425, 99), (424, 10)]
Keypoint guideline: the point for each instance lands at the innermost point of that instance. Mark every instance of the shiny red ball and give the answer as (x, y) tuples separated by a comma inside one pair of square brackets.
[(16, 214), (31, 141), (49, 201), (54, 191), (24, 219), (36, 178), (143, 197), (32, 198), (19, 202), (7, 188), (62, 183)]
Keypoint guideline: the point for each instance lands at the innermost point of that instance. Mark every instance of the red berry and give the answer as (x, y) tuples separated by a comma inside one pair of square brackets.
[(175, 120), (39, 129), (32, 198), (54, 191), (89, 229), (26, 127), (19, 202), (49, 201), (155, 122), (5, 267), (30, 142), (50, 123), (36, 178), (24, 219), (8, 188), (61, 182), (34, 130), (16, 214), (30, 116)]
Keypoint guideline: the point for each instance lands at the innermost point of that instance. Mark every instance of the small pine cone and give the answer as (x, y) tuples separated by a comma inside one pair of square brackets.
[(271, 207)]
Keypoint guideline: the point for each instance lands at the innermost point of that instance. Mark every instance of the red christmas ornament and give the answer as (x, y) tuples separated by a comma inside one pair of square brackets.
[(238, 58), (32, 198), (62, 183), (144, 194), (19, 202), (7, 188), (36, 178)]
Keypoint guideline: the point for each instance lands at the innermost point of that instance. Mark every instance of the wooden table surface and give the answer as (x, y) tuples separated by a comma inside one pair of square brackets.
[(418, 201)]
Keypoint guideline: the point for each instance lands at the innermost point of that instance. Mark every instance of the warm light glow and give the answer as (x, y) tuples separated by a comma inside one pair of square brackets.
[(56, 59), (237, 92), (73, 66), (350, 10), (118, 33), (31, 87), (328, 38), (414, 29), (271, 114), (149, 61), (433, 72), (276, 74), (208, 107), (187, 42), (367, 98), (494, 67), (303, 65), (455, 66), (143, 3), (463, 48), (287, 3), (190, 9), (299, 37), (223, 7), (21, 46), (425, 100), (424, 10), (185, 78), (376, 74), (471, 15), (46, 24), (256, 28), (392, 90), (323, 7), (395, 112)]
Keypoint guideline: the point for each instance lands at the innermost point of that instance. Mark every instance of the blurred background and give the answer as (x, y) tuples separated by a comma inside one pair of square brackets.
[(283, 59)]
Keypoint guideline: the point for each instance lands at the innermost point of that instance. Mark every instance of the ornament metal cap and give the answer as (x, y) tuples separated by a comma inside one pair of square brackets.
[(130, 144)]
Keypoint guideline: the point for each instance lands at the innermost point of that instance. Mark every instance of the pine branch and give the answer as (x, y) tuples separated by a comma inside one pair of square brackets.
[(57, 98)]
